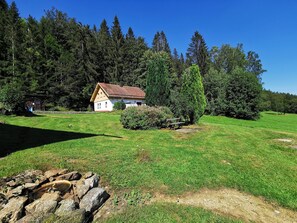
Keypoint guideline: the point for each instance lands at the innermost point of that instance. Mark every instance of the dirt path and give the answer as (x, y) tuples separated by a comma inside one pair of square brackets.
[(234, 203)]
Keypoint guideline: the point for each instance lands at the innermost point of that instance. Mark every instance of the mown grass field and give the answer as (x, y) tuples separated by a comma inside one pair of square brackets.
[(225, 152)]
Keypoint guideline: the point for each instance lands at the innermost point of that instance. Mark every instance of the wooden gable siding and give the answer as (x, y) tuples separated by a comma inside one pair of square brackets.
[(101, 96)]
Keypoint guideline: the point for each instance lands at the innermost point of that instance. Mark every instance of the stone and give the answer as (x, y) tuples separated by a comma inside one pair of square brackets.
[(30, 186), (88, 175), (12, 211), (76, 216), (94, 199), (53, 173), (3, 200), (46, 204), (84, 185), (28, 180), (66, 206), (26, 219), (41, 179), (11, 183), (70, 176), (15, 192), (33, 173)]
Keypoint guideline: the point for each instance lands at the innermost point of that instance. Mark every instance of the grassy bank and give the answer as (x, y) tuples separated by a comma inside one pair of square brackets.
[(225, 152)]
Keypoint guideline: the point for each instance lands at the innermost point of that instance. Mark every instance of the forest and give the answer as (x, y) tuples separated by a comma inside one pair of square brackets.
[(60, 60)]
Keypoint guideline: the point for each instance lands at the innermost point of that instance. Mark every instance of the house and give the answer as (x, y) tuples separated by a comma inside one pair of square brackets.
[(105, 95)]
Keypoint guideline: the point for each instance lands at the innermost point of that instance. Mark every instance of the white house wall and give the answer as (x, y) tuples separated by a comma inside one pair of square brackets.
[(107, 105)]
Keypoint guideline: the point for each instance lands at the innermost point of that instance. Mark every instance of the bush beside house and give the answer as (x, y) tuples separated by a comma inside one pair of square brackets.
[(145, 117), (119, 105)]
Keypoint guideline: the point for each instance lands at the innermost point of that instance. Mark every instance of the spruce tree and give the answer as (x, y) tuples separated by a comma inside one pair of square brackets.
[(158, 81), (156, 45), (197, 53), (104, 48), (33, 59), (14, 41), (116, 53), (130, 61), (160, 43), (178, 65), (3, 41)]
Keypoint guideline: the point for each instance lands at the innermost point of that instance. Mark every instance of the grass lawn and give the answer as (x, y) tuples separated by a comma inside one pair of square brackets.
[(226, 153)]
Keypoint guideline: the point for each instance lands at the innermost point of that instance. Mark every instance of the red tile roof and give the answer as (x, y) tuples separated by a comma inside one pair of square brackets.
[(116, 91)]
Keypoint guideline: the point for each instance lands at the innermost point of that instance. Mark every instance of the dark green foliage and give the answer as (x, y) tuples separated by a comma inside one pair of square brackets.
[(104, 43), (3, 40), (254, 64), (116, 53), (145, 117), (158, 80), (227, 86), (192, 95), (278, 102), (119, 105), (61, 59), (228, 58), (178, 66), (243, 95), (12, 97), (214, 83), (197, 53), (134, 49), (160, 43)]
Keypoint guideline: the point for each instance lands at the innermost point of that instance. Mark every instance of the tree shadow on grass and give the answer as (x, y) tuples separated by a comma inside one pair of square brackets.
[(14, 138)]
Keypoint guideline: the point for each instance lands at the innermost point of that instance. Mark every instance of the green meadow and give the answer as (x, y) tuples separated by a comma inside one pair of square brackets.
[(221, 153)]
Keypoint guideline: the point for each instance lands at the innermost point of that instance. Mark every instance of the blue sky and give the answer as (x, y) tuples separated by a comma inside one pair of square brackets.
[(268, 27)]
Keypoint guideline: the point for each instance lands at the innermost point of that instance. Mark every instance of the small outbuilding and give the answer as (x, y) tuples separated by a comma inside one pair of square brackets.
[(105, 95)]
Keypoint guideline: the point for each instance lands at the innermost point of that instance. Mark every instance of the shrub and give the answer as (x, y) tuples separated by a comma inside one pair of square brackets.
[(192, 94), (119, 105), (12, 98), (243, 95), (145, 117)]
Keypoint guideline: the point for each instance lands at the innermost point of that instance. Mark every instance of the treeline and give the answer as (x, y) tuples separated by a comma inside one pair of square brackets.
[(63, 59), (279, 102)]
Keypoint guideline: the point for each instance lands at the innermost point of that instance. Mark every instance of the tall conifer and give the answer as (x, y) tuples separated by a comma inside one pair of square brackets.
[(197, 53)]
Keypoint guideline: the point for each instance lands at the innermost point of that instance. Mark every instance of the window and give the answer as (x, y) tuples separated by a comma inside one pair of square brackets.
[(106, 104), (99, 106)]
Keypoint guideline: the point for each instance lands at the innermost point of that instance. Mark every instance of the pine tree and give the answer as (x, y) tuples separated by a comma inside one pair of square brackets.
[(116, 53), (14, 39), (130, 61), (178, 65), (156, 45), (160, 43), (104, 44), (197, 53), (33, 59), (3, 43), (158, 81)]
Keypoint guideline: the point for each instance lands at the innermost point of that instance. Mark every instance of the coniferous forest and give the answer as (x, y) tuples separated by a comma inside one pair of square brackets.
[(60, 60)]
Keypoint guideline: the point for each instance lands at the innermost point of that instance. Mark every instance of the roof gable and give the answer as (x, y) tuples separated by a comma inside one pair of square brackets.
[(116, 91)]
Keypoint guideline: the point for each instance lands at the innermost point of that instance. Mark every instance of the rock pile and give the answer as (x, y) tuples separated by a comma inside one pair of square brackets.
[(52, 196)]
